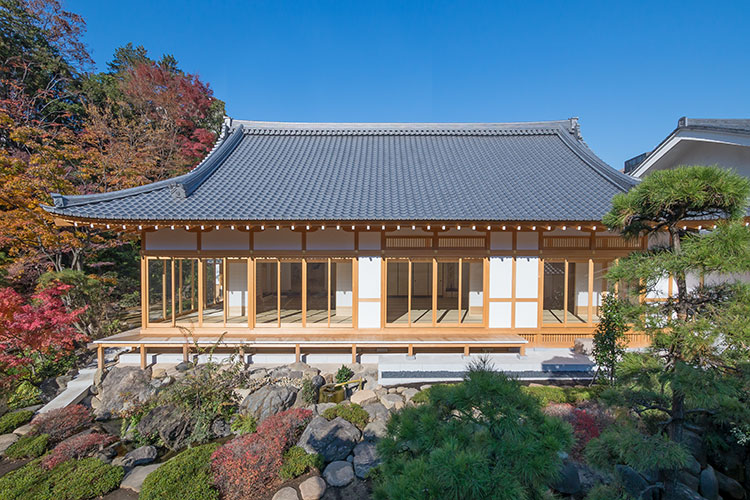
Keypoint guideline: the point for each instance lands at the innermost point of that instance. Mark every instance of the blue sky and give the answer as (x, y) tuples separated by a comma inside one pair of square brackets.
[(628, 70)]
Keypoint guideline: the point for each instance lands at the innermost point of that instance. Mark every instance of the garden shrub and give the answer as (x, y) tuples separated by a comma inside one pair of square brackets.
[(71, 480), (78, 446), (25, 394), (12, 421), (187, 476), (344, 374), (350, 412), (552, 394), (308, 392), (297, 461), (247, 466), (585, 428), (612, 491), (482, 438), (244, 424), (28, 446), (62, 423)]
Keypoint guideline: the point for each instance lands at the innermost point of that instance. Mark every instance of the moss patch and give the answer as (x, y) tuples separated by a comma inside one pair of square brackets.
[(185, 477), (28, 446), (11, 421)]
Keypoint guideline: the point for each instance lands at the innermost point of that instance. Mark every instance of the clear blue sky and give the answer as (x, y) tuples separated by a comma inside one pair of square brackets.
[(629, 70)]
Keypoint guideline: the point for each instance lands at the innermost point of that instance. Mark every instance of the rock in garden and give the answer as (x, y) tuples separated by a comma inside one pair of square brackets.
[(339, 473), (333, 440), (688, 479), (683, 492), (632, 481), (376, 411), (693, 466), (409, 393), (709, 485), (287, 493), (269, 400), (312, 488), (374, 431), (123, 388), (134, 479), (183, 367), (392, 401), (220, 428), (171, 424), (365, 458), (140, 456), (6, 440), (23, 430), (318, 381), (319, 408), (364, 397), (568, 482), (729, 488)]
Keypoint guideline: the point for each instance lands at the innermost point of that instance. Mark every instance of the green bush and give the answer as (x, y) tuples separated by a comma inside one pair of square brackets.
[(12, 421), (468, 439), (350, 412), (26, 394), (344, 374), (185, 477), (297, 461), (308, 393), (71, 480), (547, 394), (28, 446), (607, 492), (244, 424)]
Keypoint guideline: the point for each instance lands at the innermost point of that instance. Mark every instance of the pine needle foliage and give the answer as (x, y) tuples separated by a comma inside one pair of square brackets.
[(468, 439)]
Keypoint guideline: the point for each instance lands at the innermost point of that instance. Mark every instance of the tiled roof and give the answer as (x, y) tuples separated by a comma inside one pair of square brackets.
[(267, 171)]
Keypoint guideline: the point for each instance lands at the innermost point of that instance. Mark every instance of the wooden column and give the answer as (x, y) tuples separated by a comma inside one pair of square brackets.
[(201, 290), (434, 290), (354, 353), (466, 349), (172, 283), (304, 292), (250, 293), (100, 357), (297, 353), (179, 287), (164, 291), (460, 288), (144, 292), (591, 293), (185, 352), (224, 292), (143, 357), (565, 295)]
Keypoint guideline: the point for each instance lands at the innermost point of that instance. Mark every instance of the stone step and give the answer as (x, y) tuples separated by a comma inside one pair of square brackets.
[(77, 389)]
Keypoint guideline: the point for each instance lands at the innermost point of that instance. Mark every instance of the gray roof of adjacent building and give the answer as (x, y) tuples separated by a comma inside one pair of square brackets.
[(275, 171)]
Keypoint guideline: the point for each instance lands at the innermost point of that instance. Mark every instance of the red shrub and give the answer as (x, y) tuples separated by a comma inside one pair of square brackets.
[(585, 427), (80, 446), (248, 465), (63, 422)]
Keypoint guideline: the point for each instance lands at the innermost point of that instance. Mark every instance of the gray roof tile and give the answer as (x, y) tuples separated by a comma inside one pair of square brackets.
[(265, 171)]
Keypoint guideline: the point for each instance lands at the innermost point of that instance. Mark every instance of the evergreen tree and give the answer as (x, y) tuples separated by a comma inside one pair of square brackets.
[(609, 338)]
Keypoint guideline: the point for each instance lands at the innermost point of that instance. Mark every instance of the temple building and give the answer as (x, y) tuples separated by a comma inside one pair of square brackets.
[(371, 238)]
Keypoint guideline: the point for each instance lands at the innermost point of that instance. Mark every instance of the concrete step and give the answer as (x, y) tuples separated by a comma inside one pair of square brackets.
[(77, 389)]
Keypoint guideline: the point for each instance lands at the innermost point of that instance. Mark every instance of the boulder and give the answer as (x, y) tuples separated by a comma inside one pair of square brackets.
[(319, 408), (312, 488), (23, 430), (568, 482), (729, 488), (688, 479), (377, 411), (374, 431), (339, 473), (287, 493), (392, 401), (220, 428), (409, 393), (139, 456), (183, 367), (682, 492), (6, 440), (269, 400), (170, 423), (158, 372), (365, 458), (693, 466), (364, 397), (709, 485), (124, 388), (633, 482), (333, 440), (134, 479)]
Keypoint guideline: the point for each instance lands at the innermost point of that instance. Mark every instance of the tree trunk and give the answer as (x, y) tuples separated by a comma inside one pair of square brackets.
[(677, 424)]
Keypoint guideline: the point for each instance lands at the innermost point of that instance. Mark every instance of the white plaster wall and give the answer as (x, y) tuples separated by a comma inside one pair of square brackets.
[(171, 239), (225, 239), (344, 293), (661, 290), (369, 288), (526, 314), (527, 240), (237, 287), (283, 239), (500, 313), (501, 240), (582, 284), (692, 152), (501, 277), (330, 240), (476, 284), (369, 240), (527, 278)]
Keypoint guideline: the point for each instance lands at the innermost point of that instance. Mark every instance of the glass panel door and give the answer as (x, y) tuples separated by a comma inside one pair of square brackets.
[(237, 291), (554, 293), (186, 271), (291, 293), (397, 292), (341, 293), (472, 293), (266, 293), (317, 294), (213, 305), (448, 290), (159, 290), (421, 293)]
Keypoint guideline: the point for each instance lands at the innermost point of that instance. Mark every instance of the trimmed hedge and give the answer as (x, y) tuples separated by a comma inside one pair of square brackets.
[(547, 394), (352, 413), (12, 421), (28, 446), (185, 477), (71, 480)]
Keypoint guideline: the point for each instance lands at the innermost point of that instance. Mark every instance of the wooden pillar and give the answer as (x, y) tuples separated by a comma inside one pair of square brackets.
[(411, 350), (434, 290), (224, 292), (164, 291), (100, 356), (304, 292), (185, 352), (522, 350), (297, 353), (466, 349), (143, 357), (565, 295), (201, 290), (354, 353), (591, 293), (172, 303), (144, 292), (460, 288), (179, 287)]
